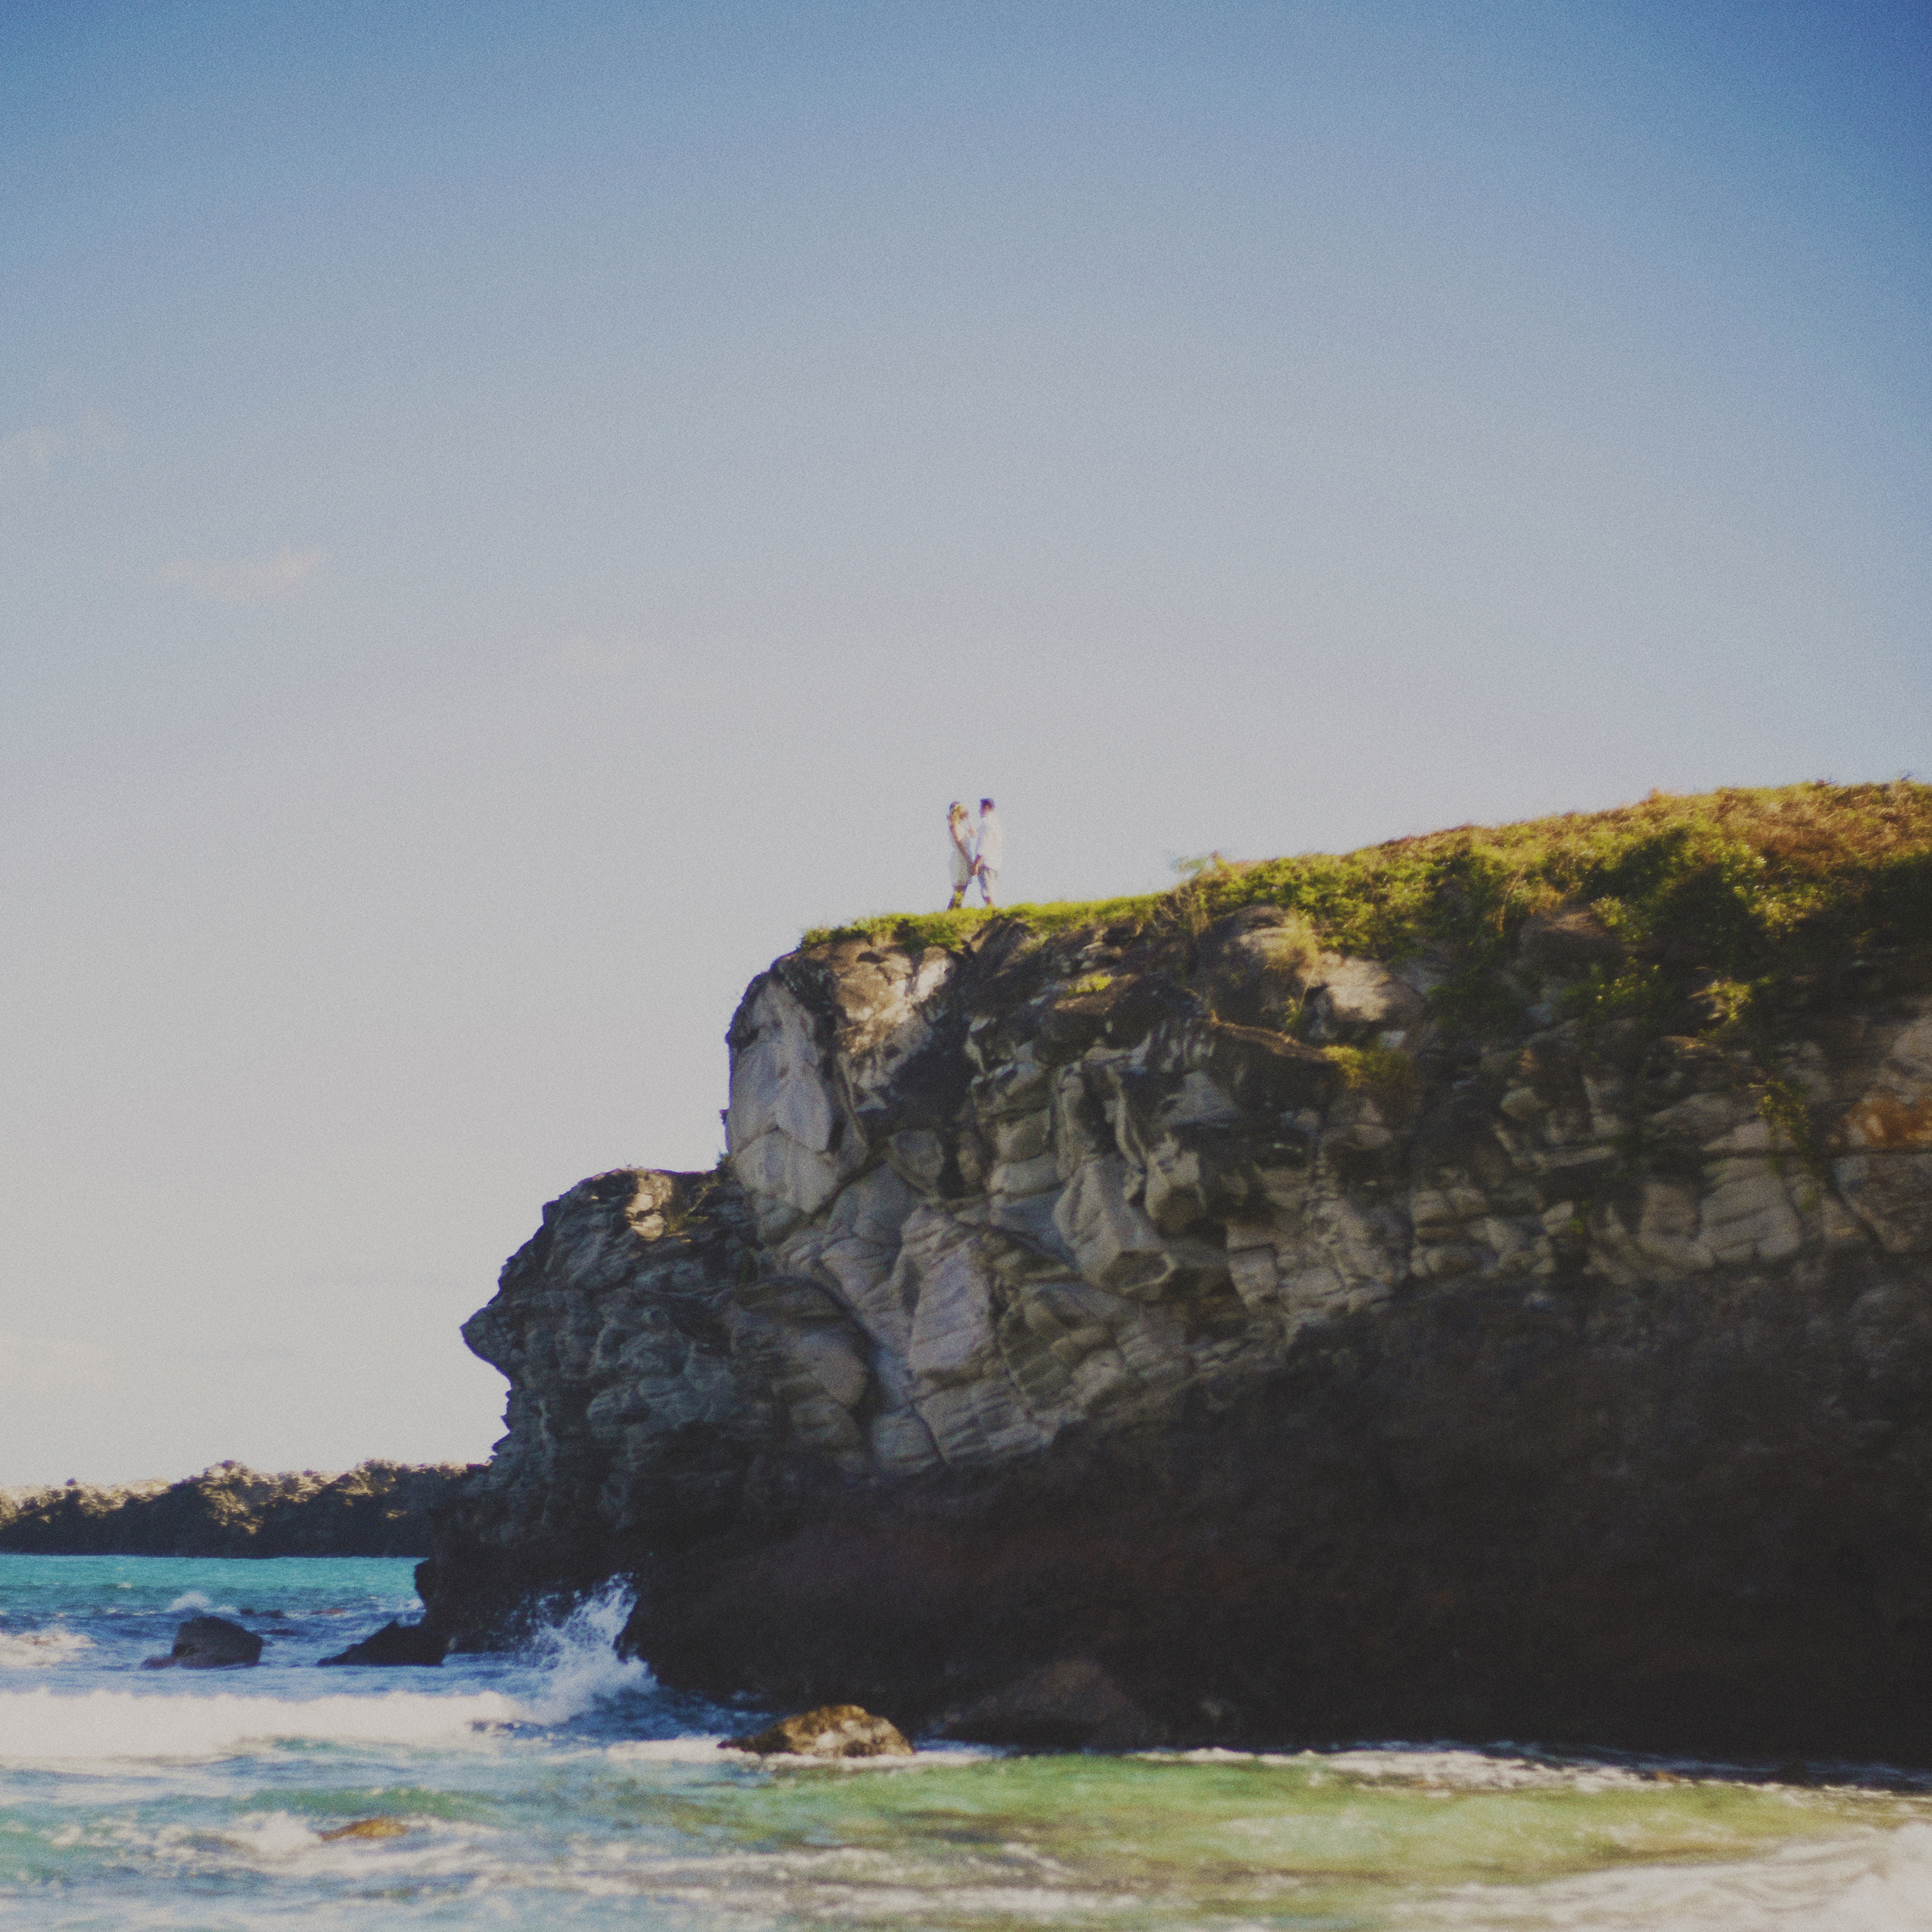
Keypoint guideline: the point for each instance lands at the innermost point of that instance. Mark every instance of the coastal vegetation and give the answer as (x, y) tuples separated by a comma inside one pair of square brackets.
[(1471, 1287), (1722, 906), (378, 1508)]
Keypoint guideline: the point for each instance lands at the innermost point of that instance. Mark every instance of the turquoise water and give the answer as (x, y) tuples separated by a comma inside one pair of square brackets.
[(561, 1787)]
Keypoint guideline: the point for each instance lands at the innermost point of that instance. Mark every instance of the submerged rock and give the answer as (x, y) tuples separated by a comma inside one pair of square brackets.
[(208, 1643), (380, 1827), (833, 1730), (396, 1643)]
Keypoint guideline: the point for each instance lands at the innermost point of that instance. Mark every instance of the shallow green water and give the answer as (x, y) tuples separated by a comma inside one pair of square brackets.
[(1358, 1838), (564, 1788)]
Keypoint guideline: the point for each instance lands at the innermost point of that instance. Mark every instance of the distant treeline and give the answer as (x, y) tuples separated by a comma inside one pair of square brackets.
[(375, 1509)]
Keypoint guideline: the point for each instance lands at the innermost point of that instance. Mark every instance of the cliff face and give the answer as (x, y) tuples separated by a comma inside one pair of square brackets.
[(1318, 1353), (376, 1509)]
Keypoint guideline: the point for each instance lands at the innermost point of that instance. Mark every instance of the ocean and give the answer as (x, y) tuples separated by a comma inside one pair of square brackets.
[(561, 1787)]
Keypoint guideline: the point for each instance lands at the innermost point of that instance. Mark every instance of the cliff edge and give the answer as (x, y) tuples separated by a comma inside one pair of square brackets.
[(1479, 1286)]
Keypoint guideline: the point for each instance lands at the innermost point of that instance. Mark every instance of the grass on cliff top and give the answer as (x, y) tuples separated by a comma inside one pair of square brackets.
[(1730, 890), (915, 931)]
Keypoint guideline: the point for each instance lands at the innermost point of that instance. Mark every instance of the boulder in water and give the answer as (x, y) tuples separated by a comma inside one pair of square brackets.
[(209, 1643), (370, 1828), (832, 1730), (396, 1643)]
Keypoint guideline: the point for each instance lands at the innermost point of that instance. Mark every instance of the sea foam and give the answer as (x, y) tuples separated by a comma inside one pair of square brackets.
[(36, 1649), (1864, 1881), (566, 1670), (578, 1659), (195, 1600), (48, 1726)]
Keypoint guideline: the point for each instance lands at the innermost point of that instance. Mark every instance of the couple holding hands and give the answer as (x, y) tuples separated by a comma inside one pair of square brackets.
[(977, 851)]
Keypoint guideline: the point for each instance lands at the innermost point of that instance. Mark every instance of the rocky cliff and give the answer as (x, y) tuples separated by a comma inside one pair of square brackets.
[(375, 1509), (1482, 1286)]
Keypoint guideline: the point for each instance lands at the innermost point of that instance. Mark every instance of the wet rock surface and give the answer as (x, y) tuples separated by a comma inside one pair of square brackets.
[(366, 1828), (208, 1643), (396, 1643), (833, 1730), (1210, 1309)]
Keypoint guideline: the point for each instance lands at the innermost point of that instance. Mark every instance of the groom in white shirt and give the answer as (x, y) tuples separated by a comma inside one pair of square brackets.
[(989, 849)]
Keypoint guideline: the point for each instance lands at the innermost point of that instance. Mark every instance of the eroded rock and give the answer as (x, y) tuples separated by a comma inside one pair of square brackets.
[(1211, 1306), (833, 1730)]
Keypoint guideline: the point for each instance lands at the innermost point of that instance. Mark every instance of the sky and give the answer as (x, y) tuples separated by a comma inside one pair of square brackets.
[(510, 511)]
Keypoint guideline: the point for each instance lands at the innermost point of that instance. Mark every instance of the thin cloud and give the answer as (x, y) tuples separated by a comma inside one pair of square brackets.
[(33, 451), (28, 452), (243, 579)]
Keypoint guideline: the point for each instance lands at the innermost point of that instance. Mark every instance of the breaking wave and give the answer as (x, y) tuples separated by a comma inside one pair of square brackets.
[(30, 1649), (579, 1661), (48, 1726), (564, 1671)]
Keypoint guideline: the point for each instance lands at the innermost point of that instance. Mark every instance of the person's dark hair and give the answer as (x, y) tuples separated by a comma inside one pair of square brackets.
[(986, 805)]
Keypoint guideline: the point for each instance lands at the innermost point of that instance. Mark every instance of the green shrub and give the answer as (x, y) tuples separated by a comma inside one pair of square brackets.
[(1378, 1070), (1722, 900)]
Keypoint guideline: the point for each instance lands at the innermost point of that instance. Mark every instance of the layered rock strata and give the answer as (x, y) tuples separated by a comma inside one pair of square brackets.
[(1204, 1312)]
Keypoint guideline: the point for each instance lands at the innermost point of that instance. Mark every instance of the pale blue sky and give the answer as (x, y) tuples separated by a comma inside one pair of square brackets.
[(508, 512)]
